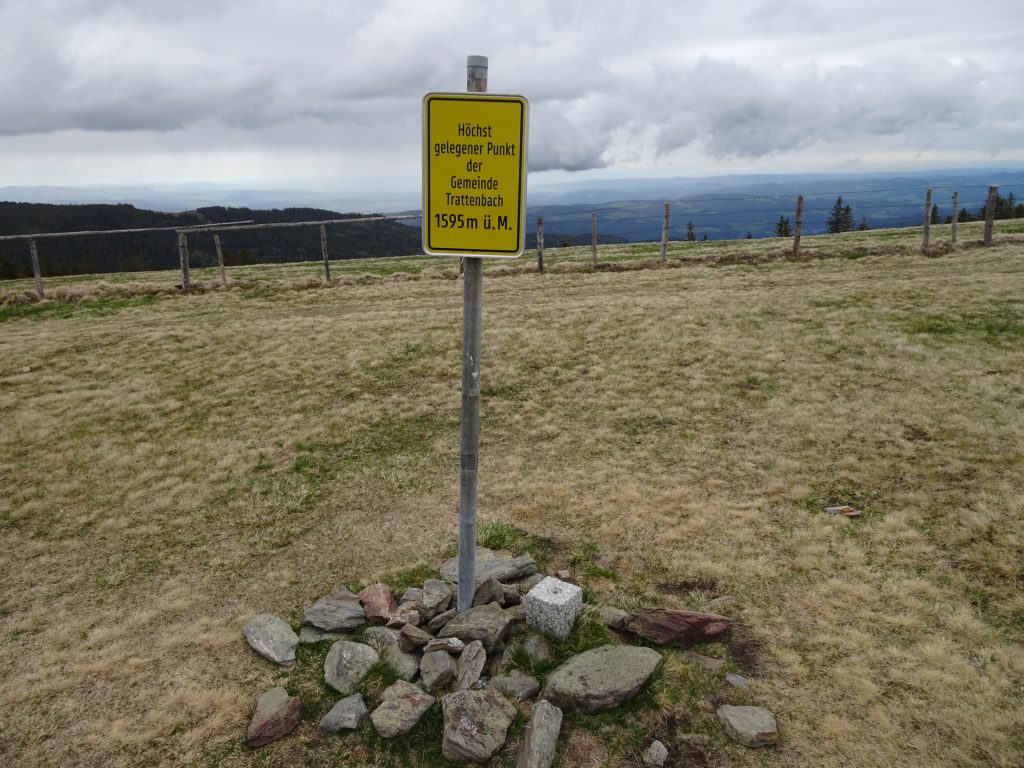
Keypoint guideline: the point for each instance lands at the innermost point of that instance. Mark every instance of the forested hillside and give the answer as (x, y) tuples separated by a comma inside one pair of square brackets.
[(158, 250)]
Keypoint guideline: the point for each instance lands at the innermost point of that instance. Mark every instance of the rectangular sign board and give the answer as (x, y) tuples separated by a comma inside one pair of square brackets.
[(474, 174)]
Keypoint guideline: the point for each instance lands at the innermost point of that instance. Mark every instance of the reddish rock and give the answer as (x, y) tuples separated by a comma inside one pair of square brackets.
[(667, 626), (412, 637), (406, 613), (378, 603), (277, 714)]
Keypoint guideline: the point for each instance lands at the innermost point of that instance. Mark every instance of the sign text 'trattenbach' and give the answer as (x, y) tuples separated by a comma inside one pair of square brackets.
[(474, 174)]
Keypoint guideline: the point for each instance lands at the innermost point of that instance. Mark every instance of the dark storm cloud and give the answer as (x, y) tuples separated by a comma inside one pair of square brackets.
[(609, 83)]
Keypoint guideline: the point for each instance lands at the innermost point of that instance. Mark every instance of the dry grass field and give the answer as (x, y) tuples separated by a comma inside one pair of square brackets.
[(172, 465)]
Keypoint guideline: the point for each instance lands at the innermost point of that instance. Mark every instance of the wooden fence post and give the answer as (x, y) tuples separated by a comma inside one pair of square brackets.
[(220, 260), (990, 214), (540, 243), (955, 218), (798, 230), (183, 256), (593, 239), (664, 236), (926, 231), (34, 253), (323, 249)]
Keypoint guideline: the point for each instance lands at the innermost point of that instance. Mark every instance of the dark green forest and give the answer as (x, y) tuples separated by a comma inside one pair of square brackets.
[(159, 250)]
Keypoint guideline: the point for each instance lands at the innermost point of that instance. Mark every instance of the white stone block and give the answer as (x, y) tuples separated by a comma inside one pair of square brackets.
[(553, 606)]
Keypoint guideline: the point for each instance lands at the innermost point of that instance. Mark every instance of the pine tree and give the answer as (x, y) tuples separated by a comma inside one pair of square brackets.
[(749, 235), (863, 225), (1006, 208), (847, 219), (691, 235), (782, 229), (935, 214), (705, 238), (841, 217)]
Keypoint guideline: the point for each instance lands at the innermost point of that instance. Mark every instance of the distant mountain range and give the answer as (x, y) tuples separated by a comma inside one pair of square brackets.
[(628, 210), (143, 251), (730, 207)]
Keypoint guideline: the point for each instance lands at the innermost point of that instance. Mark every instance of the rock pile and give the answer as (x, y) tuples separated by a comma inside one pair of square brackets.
[(465, 661)]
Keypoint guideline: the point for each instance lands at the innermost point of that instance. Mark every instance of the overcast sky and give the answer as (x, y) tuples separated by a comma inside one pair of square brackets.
[(94, 91)]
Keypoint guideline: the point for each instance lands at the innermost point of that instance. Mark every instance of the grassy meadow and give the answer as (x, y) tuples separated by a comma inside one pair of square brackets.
[(172, 465)]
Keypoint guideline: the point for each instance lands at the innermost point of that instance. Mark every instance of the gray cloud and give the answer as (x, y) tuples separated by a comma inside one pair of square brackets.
[(645, 85)]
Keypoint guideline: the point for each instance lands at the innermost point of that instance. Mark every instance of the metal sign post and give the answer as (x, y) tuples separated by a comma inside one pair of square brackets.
[(474, 206)]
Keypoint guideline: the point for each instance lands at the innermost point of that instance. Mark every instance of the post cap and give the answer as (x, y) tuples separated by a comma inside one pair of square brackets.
[(476, 61)]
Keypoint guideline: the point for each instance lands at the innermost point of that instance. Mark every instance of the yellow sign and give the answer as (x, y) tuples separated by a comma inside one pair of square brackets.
[(474, 174)]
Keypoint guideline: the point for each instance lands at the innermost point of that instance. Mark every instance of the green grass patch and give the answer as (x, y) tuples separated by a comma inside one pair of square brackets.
[(64, 310), (498, 535), (998, 326), (413, 576), (389, 441), (502, 391)]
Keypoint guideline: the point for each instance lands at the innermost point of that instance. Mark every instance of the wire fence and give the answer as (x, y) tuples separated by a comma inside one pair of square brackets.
[(709, 217), (713, 214)]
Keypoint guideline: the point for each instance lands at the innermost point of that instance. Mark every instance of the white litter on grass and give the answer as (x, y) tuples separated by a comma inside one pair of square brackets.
[(845, 510)]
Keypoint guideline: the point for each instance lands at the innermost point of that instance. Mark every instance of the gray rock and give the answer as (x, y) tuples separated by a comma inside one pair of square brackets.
[(385, 640), (510, 595), (737, 681), (530, 582), (491, 591), (655, 755), (406, 613), (379, 637), (437, 596), (475, 724), (347, 715), (412, 595), (749, 726), (272, 638), (347, 663), (405, 665), (612, 616), (451, 645), (309, 635), (339, 611), (412, 638), (435, 624), (277, 714), (471, 665), (602, 678), (540, 737), (491, 565), (402, 706), (709, 664), (536, 647), (516, 685), (516, 613), (437, 669), (488, 623)]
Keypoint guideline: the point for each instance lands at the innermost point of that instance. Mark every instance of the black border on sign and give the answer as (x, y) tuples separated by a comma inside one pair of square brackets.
[(428, 246)]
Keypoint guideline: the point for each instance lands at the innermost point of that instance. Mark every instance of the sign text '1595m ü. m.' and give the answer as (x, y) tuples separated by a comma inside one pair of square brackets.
[(474, 174)]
